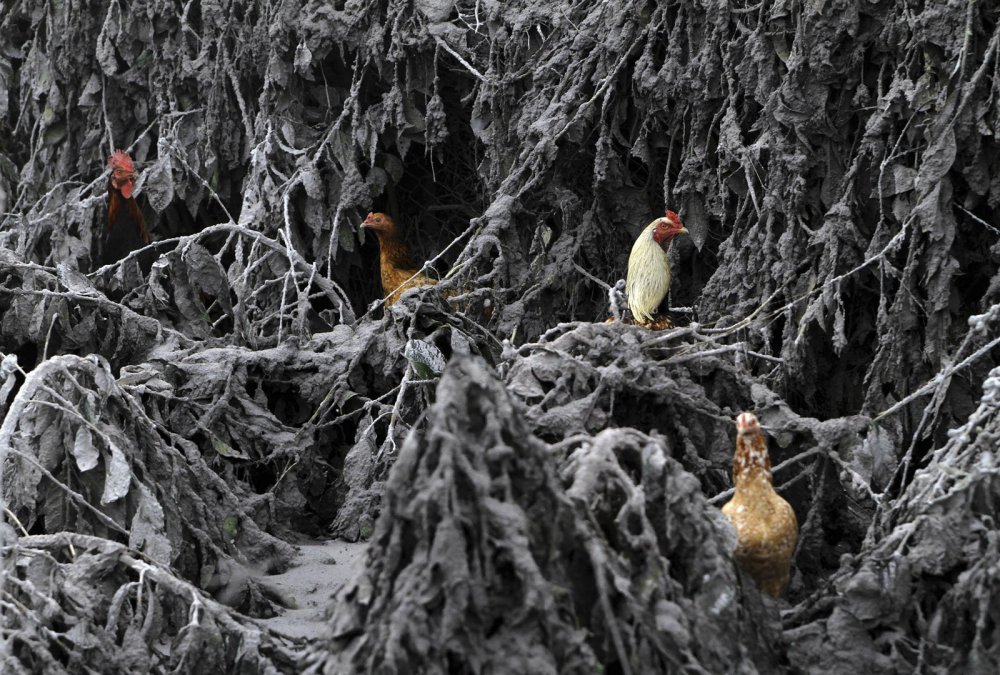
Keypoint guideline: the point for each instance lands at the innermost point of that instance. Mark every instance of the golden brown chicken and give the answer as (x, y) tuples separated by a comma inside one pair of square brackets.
[(765, 523), (399, 274)]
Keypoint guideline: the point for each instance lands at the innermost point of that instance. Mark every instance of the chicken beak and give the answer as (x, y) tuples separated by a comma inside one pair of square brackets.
[(683, 230)]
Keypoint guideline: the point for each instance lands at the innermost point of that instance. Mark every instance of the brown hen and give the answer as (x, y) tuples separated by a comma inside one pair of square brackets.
[(765, 523), (399, 274)]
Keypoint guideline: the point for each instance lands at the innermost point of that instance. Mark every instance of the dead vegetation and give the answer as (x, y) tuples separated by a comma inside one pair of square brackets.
[(547, 499)]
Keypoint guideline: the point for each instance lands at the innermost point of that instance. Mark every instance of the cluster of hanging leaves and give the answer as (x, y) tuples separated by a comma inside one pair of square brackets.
[(77, 603), (500, 552), (923, 592), (578, 380), (80, 455), (195, 459), (637, 494), (835, 163)]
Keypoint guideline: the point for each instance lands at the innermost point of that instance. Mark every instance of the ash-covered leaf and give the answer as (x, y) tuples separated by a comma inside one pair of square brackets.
[(118, 474), (303, 59), (6, 73), (88, 96), (106, 42), (54, 133), (147, 533), (8, 368), (393, 167), (877, 457), (897, 179), (437, 10), (936, 160), (227, 450), (427, 360), (74, 281), (231, 526), (346, 236), (84, 451), (158, 184), (206, 273), (157, 283), (312, 182)]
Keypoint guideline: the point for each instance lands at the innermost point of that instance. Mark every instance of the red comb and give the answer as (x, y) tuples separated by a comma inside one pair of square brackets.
[(120, 159), (672, 215)]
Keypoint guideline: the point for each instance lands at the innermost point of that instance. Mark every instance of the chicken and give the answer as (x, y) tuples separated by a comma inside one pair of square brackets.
[(648, 278), (766, 527), (394, 259), (126, 230)]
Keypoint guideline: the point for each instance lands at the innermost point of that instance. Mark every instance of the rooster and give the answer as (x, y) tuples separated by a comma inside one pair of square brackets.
[(766, 527), (126, 230), (399, 274), (648, 278)]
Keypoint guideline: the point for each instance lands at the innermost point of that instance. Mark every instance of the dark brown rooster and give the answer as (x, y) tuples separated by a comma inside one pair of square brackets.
[(126, 231), (398, 272)]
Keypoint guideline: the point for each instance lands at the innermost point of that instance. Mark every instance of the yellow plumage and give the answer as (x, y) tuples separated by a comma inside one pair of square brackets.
[(648, 278)]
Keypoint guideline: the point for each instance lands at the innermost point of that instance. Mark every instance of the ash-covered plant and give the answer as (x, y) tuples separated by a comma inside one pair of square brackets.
[(78, 454), (77, 603), (835, 164), (495, 551), (921, 592), (687, 386)]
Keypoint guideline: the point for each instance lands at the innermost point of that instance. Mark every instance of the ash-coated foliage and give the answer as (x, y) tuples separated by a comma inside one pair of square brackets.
[(502, 553), (170, 418)]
